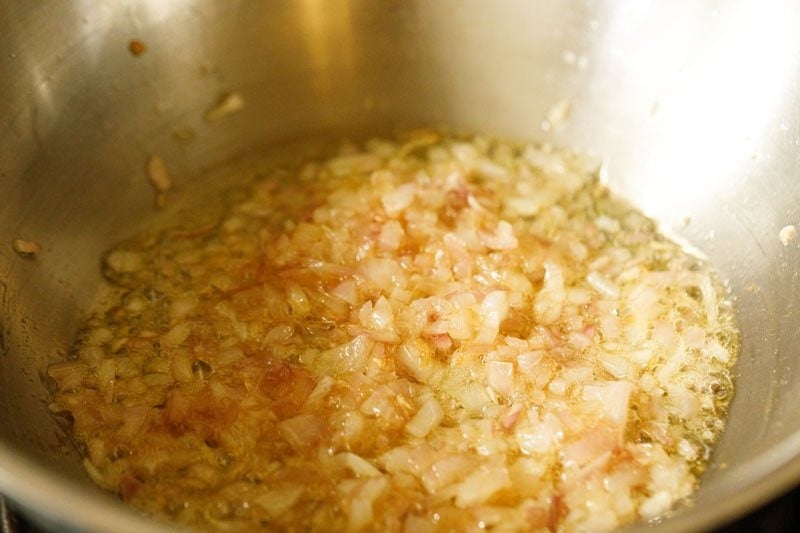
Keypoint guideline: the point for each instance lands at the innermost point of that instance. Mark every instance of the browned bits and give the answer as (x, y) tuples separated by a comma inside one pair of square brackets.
[(136, 47)]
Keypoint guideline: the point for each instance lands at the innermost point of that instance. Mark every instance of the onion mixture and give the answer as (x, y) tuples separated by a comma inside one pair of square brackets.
[(431, 333)]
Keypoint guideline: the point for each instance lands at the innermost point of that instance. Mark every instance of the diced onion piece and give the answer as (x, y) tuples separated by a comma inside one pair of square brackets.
[(602, 284), (644, 303), (298, 299), (358, 465), (99, 336), (715, 350), (361, 513), (550, 300), (323, 387), (684, 402), (614, 396), (687, 450), (607, 223), (68, 374), (124, 262), (494, 310), (593, 445), (472, 397), (445, 471), (224, 309), (158, 175), (427, 418), (378, 316), (415, 357), (384, 274), (616, 365), (501, 376), (347, 291), (539, 437), (481, 485), (228, 356), (302, 431), (529, 361), (92, 354), (177, 335), (277, 501), (391, 236), (346, 358), (398, 199), (279, 334), (182, 307), (656, 504), (491, 170), (182, 367), (502, 239)]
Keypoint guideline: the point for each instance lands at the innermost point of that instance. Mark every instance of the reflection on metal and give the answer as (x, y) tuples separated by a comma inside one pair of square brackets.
[(720, 111), (327, 32)]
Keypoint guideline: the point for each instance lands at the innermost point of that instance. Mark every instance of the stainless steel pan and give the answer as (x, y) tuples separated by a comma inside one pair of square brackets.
[(695, 105)]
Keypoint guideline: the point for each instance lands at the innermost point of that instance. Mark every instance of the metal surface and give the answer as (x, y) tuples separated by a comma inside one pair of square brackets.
[(694, 104)]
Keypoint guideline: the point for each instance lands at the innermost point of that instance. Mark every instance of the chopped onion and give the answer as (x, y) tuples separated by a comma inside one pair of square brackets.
[(69, 375), (398, 199), (347, 291), (539, 437), (177, 335), (347, 358), (302, 431), (415, 358), (430, 333), (494, 309), (481, 485), (472, 397), (501, 376), (361, 511), (550, 301), (602, 285), (358, 465), (391, 236), (502, 239), (279, 500), (445, 472), (378, 316), (614, 397), (124, 261)]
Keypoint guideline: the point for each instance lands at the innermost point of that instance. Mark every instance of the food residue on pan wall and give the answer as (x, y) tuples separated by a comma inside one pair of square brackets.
[(787, 234), (136, 47), (159, 178), (26, 249), (557, 115), (227, 104)]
